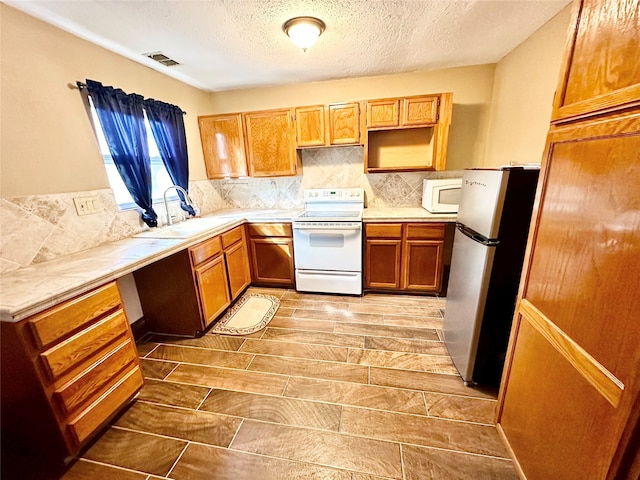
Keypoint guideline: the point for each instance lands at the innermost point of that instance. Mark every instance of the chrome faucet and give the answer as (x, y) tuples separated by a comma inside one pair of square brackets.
[(186, 198)]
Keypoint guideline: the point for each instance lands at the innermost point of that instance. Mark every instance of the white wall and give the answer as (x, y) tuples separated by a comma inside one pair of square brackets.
[(48, 145), (523, 89)]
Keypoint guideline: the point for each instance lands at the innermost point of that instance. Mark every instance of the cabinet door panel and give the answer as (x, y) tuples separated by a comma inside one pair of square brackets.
[(310, 127), (422, 265), (576, 335), (344, 124), (601, 70), (238, 268), (270, 143), (212, 287), (420, 111), (383, 113), (223, 146), (382, 260), (272, 261)]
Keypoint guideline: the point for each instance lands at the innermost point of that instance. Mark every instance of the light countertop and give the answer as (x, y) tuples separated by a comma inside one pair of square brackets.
[(30, 290), (405, 214)]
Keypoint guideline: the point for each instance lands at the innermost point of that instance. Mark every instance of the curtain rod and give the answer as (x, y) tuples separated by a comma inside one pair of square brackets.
[(82, 86)]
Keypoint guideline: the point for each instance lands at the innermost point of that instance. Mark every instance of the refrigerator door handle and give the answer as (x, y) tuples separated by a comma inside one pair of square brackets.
[(475, 236)]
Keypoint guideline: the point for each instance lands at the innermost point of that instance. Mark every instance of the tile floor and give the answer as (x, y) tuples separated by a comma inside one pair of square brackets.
[(335, 387)]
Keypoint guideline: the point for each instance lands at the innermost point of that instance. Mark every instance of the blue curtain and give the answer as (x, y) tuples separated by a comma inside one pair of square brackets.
[(122, 121), (167, 125)]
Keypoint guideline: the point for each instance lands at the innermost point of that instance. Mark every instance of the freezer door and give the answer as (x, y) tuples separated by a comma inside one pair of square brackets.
[(481, 200), (471, 264)]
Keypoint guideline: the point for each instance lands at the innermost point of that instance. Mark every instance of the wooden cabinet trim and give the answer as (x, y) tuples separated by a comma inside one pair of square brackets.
[(594, 372), (63, 319)]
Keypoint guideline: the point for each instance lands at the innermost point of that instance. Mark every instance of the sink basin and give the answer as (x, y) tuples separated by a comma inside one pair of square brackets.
[(185, 229)]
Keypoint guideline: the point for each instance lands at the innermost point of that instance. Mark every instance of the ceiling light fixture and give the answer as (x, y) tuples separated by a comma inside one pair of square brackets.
[(304, 31)]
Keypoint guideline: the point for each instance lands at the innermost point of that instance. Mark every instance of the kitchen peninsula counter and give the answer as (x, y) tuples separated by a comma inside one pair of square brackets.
[(30, 290)]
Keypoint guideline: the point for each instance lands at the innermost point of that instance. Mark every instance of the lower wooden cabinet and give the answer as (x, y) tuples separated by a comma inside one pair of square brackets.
[(66, 372), (271, 247), (237, 259), (211, 282), (404, 256), (184, 293)]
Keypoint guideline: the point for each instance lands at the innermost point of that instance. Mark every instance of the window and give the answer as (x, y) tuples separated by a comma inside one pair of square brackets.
[(160, 179)]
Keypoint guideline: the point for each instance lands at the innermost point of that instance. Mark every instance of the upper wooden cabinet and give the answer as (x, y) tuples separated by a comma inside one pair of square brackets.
[(271, 143), (326, 125), (402, 112), (344, 123), (310, 126), (600, 71), (383, 113), (407, 134), (223, 145)]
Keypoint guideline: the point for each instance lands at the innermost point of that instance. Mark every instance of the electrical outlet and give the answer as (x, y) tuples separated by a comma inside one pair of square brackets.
[(86, 205)]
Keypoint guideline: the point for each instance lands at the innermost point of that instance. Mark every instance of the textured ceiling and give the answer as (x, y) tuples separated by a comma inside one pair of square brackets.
[(227, 44)]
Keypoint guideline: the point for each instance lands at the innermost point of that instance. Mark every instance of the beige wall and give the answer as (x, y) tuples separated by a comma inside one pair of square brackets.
[(47, 144), (472, 88), (525, 82)]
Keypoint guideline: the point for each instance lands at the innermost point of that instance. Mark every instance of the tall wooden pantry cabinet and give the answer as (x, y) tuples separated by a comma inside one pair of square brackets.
[(569, 405)]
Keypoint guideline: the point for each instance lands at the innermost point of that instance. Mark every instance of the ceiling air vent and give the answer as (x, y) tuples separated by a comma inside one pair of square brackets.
[(161, 58)]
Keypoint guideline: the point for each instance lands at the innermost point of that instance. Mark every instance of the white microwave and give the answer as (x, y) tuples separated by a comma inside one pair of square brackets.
[(441, 195)]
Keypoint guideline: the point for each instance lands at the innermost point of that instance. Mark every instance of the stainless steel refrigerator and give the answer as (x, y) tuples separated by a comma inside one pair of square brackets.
[(486, 263)]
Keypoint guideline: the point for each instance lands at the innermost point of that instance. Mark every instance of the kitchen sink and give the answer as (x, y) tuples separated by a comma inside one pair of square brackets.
[(188, 228)]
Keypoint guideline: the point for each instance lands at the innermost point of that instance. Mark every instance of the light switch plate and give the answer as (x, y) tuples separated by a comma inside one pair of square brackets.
[(86, 205)]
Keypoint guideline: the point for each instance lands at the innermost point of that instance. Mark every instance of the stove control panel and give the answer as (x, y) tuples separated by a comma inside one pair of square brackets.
[(334, 195)]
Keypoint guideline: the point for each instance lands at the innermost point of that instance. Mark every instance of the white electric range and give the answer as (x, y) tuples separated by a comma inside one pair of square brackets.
[(327, 241)]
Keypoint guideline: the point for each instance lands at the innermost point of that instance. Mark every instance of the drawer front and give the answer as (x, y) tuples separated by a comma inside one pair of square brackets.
[(97, 378), (59, 321), (70, 353), (205, 250), (425, 231), (270, 230), (383, 230), (90, 419), (231, 237)]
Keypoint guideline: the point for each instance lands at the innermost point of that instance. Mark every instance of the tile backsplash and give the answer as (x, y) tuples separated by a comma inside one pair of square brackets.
[(38, 228)]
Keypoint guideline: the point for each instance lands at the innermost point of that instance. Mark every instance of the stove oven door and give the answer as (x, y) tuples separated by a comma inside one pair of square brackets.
[(330, 246), (328, 257)]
